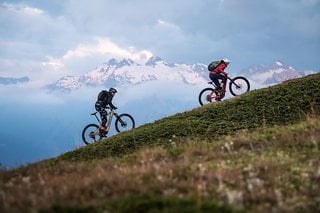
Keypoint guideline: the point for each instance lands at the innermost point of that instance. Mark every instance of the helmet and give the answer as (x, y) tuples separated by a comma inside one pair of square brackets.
[(227, 61), (113, 90)]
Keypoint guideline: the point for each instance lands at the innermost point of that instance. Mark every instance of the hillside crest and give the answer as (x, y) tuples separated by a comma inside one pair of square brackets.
[(282, 104)]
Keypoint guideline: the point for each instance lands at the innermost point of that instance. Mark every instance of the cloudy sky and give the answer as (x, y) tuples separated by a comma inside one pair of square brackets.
[(46, 40)]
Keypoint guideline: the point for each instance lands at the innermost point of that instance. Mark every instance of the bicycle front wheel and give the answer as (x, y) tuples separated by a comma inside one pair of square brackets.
[(206, 96), (239, 85), (124, 122), (90, 134)]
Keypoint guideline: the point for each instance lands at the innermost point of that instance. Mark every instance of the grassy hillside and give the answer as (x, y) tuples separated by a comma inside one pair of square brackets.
[(254, 153), (283, 104)]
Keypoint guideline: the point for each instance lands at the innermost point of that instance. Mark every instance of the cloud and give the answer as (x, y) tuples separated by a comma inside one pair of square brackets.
[(22, 9), (74, 36), (28, 35), (105, 46), (87, 55), (166, 24)]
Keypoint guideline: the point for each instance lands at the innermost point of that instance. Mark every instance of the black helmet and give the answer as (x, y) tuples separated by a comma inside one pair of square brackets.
[(113, 90)]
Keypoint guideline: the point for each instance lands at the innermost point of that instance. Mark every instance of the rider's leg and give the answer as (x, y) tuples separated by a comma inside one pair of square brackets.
[(222, 78), (223, 84), (103, 128), (103, 115), (214, 78)]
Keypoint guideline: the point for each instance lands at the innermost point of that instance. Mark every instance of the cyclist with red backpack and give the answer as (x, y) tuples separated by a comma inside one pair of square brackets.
[(104, 99), (217, 73)]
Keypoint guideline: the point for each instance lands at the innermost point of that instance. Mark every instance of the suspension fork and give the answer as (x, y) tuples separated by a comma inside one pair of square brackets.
[(123, 123), (232, 82)]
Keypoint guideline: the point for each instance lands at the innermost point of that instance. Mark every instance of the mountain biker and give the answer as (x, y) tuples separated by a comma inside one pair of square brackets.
[(104, 99), (218, 73)]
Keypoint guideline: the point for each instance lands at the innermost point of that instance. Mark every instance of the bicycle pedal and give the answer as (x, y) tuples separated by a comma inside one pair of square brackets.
[(102, 133)]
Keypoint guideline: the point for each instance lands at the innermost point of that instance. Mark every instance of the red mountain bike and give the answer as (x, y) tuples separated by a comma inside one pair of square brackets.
[(237, 86)]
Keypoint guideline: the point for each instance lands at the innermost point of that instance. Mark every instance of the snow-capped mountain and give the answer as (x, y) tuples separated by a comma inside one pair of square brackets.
[(273, 74), (7, 81), (127, 72)]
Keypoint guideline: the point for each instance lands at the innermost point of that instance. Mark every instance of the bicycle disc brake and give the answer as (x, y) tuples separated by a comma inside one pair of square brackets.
[(92, 135), (208, 98)]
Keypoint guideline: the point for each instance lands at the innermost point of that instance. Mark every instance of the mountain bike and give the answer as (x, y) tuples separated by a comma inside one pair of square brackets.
[(92, 132), (237, 86)]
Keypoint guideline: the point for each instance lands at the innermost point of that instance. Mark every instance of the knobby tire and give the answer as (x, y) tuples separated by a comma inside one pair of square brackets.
[(124, 122), (244, 86), (86, 133), (203, 96)]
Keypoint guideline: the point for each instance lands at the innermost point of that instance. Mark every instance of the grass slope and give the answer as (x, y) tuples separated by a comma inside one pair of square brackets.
[(254, 153), (281, 104)]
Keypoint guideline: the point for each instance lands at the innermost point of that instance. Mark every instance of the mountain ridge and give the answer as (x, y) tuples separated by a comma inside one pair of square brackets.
[(116, 73), (272, 74), (127, 72)]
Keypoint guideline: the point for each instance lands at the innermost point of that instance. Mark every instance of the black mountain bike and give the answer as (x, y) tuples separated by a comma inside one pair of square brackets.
[(92, 132)]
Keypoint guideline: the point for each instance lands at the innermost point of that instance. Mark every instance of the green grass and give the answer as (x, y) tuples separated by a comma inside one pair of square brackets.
[(254, 153), (279, 105)]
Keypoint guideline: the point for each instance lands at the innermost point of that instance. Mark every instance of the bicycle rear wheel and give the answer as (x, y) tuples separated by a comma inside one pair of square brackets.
[(205, 96), (239, 85), (90, 134), (124, 122)]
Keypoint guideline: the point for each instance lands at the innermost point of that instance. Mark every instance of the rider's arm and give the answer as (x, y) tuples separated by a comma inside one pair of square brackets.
[(112, 106), (220, 69)]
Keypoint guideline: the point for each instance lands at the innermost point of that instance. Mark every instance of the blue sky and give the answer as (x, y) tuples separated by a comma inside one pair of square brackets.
[(46, 40)]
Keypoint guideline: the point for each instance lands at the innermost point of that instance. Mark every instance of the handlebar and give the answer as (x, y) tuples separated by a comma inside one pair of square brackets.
[(95, 113), (111, 108)]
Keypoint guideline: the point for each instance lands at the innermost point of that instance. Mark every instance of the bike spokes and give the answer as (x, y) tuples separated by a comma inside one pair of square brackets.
[(239, 86), (207, 95), (124, 122), (90, 134)]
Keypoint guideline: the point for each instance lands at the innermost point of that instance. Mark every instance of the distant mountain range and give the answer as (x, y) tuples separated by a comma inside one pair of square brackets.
[(127, 72), (7, 81), (116, 73), (274, 74)]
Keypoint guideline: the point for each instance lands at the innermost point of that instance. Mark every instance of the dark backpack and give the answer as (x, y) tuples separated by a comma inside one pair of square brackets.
[(102, 95), (212, 66)]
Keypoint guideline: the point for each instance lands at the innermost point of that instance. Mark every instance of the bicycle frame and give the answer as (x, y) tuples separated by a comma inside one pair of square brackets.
[(215, 94), (111, 114)]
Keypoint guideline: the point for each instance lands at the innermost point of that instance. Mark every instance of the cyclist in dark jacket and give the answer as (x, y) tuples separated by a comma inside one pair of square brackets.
[(105, 99)]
